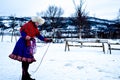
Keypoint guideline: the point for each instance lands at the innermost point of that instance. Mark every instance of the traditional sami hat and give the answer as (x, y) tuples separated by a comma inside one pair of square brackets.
[(38, 19)]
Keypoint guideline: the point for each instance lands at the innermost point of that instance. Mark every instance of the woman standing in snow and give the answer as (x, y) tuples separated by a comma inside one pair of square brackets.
[(25, 46)]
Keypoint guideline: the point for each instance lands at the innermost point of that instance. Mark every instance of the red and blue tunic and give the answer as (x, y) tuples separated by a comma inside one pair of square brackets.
[(24, 49)]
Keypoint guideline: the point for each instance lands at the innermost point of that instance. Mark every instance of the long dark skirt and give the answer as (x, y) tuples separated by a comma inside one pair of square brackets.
[(22, 52)]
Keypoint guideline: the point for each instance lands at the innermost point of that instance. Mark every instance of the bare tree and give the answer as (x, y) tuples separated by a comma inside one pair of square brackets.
[(2, 28), (118, 17), (53, 12), (80, 16), (13, 25)]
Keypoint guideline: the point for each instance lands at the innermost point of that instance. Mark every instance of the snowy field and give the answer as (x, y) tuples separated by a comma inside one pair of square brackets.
[(87, 63)]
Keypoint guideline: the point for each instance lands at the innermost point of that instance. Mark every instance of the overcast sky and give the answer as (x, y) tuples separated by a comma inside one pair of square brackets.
[(105, 9)]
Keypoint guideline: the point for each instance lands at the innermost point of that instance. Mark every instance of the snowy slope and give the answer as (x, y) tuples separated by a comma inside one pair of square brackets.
[(87, 63)]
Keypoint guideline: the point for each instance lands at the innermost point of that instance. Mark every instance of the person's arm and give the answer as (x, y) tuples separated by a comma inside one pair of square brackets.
[(44, 39), (41, 37), (24, 35)]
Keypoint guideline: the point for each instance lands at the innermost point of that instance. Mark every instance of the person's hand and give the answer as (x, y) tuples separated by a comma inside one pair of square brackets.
[(28, 38), (32, 39), (48, 40)]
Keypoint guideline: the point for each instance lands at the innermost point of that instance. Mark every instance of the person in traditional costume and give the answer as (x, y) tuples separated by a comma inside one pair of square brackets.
[(25, 47)]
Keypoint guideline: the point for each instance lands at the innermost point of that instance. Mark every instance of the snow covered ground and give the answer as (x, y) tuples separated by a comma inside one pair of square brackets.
[(87, 63)]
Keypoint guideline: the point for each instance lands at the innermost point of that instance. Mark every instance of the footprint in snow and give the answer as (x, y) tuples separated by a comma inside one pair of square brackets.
[(52, 60), (80, 67), (100, 70), (68, 64)]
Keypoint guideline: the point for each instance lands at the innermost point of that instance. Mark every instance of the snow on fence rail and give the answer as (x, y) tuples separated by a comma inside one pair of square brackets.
[(91, 43), (113, 45)]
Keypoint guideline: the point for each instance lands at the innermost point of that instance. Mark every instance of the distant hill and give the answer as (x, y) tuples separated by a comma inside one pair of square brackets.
[(104, 28)]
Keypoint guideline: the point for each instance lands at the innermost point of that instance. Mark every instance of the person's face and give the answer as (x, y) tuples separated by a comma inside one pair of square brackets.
[(36, 23)]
